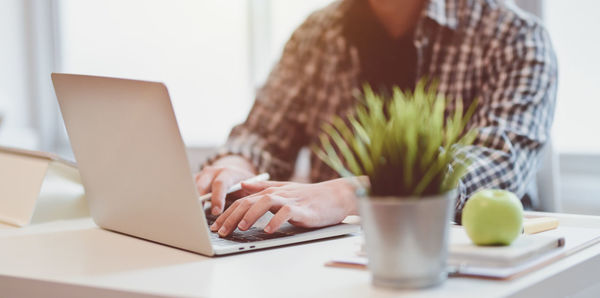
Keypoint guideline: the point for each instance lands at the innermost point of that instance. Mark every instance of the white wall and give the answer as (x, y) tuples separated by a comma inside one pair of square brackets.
[(573, 29), (198, 48)]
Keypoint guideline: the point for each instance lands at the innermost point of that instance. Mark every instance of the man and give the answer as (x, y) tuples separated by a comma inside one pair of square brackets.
[(483, 49)]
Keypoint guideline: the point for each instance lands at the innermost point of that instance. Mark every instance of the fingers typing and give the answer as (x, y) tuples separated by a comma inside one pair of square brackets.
[(284, 214), (204, 180), (244, 213), (220, 185), (262, 205)]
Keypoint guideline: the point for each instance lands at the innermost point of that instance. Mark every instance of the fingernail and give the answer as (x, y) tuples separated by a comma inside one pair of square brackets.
[(215, 210), (243, 223), (268, 229), (213, 227), (222, 231)]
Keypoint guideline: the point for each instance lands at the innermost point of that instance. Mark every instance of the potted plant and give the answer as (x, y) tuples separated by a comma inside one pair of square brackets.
[(409, 147)]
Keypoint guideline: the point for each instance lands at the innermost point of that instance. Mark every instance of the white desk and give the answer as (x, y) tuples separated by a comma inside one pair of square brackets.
[(74, 258)]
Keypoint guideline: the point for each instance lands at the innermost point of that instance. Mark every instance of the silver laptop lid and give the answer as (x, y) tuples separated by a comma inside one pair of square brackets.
[(132, 159)]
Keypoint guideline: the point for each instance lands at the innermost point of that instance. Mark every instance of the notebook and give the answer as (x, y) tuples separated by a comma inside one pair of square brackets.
[(528, 253), (462, 251)]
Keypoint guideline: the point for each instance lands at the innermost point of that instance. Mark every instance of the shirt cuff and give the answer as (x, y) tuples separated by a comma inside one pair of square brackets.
[(261, 159)]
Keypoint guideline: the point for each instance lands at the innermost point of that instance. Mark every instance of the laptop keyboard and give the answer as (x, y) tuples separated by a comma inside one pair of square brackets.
[(253, 234)]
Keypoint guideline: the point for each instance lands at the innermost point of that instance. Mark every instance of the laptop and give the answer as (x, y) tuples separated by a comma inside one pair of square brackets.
[(134, 168)]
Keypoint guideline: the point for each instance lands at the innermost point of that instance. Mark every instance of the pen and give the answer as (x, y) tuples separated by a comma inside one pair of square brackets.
[(238, 186)]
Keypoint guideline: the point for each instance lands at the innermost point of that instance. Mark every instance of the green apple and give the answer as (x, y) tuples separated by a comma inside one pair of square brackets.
[(493, 217)]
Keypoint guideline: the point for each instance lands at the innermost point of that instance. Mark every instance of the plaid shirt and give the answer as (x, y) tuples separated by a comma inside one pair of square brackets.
[(484, 49)]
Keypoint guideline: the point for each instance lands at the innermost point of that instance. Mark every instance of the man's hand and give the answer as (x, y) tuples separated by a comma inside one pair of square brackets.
[(305, 205), (219, 177)]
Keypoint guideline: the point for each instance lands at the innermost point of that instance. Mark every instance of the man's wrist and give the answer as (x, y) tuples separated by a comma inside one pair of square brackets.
[(236, 161), (346, 190)]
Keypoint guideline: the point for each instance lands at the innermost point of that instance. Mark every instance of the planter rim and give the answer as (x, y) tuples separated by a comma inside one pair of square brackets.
[(395, 200)]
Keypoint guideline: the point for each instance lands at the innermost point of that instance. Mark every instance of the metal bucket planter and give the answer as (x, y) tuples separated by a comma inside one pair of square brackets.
[(407, 239)]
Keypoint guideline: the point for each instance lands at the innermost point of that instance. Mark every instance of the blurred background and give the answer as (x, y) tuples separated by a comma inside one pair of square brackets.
[(213, 55)]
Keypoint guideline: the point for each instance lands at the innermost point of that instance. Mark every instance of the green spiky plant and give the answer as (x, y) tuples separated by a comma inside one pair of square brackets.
[(405, 144)]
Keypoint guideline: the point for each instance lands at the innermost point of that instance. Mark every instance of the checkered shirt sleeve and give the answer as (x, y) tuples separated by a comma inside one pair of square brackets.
[(515, 114)]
